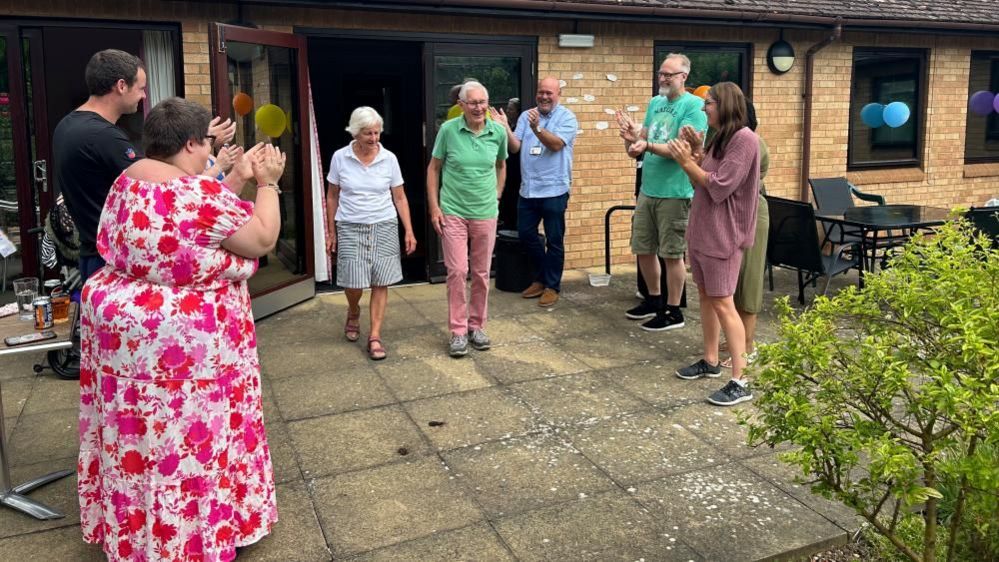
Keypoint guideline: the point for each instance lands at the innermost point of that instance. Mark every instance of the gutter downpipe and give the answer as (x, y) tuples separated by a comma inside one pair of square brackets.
[(806, 128)]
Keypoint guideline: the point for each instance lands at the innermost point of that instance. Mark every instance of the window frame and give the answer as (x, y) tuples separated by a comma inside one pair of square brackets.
[(993, 118), (746, 49), (919, 113)]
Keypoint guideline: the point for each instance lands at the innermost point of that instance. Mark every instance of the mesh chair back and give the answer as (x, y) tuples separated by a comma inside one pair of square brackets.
[(831, 195), (793, 240)]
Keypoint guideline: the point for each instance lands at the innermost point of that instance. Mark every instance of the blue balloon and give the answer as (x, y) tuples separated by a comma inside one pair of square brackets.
[(896, 114), (871, 115)]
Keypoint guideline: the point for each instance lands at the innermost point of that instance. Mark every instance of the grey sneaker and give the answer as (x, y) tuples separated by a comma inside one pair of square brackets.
[(480, 340), (458, 346), (700, 369), (731, 394)]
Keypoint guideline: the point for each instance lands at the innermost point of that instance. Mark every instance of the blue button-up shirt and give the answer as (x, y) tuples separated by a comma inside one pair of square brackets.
[(545, 173)]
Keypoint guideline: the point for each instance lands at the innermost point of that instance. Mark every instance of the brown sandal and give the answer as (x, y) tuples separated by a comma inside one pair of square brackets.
[(352, 329), (376, 353)]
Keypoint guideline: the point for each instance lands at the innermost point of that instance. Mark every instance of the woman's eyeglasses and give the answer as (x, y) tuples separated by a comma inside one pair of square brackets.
[(211, 138), (709, 102)]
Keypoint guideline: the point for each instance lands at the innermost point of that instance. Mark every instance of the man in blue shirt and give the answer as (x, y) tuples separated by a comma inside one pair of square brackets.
[(544, 137)]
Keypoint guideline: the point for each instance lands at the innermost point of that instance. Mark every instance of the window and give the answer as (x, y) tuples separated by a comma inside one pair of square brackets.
[(710, 63), (885, 76), (982, 137)]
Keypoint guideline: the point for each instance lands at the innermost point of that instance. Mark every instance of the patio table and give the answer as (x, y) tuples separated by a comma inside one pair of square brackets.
[(13, 496), (873, 223)]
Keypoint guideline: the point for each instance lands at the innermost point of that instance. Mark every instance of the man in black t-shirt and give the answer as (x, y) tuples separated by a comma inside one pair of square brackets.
[(90, 151)]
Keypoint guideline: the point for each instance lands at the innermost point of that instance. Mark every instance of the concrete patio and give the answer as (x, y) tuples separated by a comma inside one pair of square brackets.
[(570, 440)]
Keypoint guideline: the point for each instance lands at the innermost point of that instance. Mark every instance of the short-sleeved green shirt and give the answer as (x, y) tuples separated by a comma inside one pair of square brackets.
[(663, 177), (468, 175)]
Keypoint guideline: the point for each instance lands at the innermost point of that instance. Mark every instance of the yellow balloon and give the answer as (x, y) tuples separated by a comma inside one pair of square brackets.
[(270, 120), (287, 115)]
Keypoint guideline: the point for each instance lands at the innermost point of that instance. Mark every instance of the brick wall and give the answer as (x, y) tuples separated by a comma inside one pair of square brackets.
[(604, 176)]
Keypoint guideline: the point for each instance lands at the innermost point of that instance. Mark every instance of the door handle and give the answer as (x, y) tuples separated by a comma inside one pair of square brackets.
[(41, 174)]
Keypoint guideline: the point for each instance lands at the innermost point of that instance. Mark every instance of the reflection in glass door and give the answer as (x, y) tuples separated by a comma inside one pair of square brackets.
[(260, 79), (507, 71)]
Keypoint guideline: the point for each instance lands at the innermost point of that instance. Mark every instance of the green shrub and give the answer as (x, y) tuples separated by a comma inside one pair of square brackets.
[(890, 395)]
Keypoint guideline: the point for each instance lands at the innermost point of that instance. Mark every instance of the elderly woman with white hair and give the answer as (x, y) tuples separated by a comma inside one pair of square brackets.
[(365, 194), (465, 180)]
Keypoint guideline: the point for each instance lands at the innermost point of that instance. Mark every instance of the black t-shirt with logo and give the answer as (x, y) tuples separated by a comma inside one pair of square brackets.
[(89, 153)]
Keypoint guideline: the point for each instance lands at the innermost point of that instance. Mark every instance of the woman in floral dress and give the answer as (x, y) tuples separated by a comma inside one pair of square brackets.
[(174, 463)]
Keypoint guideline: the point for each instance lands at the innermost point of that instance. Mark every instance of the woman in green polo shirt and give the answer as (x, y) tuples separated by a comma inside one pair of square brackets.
[(465, 180)]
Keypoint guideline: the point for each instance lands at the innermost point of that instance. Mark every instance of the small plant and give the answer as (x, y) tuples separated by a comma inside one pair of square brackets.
[(890, 396)]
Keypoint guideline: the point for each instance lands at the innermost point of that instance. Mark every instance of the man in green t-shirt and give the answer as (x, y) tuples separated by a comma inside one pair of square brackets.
[(660, 222), (465, 180)]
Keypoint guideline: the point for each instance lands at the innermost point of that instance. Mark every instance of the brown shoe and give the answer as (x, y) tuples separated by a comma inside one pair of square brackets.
[(534, 291), (548, 298)]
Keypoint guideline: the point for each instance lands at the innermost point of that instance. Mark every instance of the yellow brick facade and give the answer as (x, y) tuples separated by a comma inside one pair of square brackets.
[(603, 175)]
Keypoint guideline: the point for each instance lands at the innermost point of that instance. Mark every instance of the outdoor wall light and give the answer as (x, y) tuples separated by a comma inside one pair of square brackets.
[(780, 56), (575, 40)]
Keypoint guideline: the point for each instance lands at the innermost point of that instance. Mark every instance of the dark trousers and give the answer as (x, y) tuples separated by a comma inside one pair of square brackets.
[(89, 265), (547, 259)]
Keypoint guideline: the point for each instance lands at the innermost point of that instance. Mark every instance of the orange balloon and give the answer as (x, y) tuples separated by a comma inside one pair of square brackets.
[(242, 104), (702, 91)]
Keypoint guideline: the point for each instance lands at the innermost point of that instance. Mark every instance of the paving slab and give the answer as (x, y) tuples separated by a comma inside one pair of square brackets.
[(477, 542), (330, 392), (16, 393), (284, 458), (297, 534), (526, 361), (656, 383), (369, 509), (573, 399), (521, 474), (730, 513), (44, 437), (403, 344), (305, 359), (58, 544), (643, 446), (603, 350), (608, 526), (435, 375), (354, 440), (49, 393), (471, 418), (720, 427)]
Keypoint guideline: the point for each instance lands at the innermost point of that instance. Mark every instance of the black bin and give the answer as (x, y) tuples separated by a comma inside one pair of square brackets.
[(511, 262)]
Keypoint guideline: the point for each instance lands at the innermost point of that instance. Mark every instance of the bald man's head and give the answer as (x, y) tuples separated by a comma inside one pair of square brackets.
[(548, 94)]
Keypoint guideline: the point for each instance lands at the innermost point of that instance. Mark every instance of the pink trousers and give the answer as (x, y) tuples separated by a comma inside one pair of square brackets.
[(468, 245)]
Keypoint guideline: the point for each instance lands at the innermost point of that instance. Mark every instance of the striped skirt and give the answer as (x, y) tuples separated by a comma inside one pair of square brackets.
[(367, 255)]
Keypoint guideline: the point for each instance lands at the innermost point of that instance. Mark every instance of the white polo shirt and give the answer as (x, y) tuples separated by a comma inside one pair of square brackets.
[(365, 191)]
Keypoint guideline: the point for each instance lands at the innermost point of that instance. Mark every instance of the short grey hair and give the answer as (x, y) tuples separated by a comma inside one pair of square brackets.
[(684, 61), (471, 85), (363, 117)]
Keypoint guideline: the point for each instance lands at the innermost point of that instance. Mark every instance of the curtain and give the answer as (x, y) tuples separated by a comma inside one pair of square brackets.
[(157, 47)]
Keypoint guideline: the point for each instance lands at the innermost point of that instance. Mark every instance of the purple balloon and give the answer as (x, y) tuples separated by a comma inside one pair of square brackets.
[(995, 104), (981, 103)]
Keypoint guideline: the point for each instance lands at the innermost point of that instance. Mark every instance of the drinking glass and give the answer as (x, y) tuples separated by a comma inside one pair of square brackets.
[(26, 289)]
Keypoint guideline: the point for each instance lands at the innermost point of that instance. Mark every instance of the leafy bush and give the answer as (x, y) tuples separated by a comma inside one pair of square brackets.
[(890, 395)]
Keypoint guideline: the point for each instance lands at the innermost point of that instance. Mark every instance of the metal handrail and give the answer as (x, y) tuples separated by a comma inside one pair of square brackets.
[(607, 229)]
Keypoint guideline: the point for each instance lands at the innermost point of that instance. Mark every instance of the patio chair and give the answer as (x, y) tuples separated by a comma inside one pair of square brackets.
[(986, 219), (834, 196), (793, 243)]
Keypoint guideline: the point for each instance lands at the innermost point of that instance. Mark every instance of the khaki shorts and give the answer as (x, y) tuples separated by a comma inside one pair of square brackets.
[(660, 227)]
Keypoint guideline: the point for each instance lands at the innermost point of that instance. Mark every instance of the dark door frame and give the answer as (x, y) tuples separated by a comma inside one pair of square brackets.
[(448, 44), (218, 34)]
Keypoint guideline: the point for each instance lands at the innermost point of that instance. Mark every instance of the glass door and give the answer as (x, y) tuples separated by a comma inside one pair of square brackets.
[(507, 71), (260, 79)]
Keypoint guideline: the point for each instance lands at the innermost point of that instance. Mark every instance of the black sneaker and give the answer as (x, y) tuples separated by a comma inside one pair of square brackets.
[(731, 394), (644, 310), (700, 369), (671, 319)]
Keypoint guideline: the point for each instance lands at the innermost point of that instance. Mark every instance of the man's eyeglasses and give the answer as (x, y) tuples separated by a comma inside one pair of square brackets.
[(668, 75), (479, 103), (211, 138)]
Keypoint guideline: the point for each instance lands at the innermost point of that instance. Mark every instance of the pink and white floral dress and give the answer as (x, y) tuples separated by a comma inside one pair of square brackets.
[(174, 463)]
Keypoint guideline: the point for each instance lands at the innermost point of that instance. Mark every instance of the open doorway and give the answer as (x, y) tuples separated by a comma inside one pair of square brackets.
[(388, 76)]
